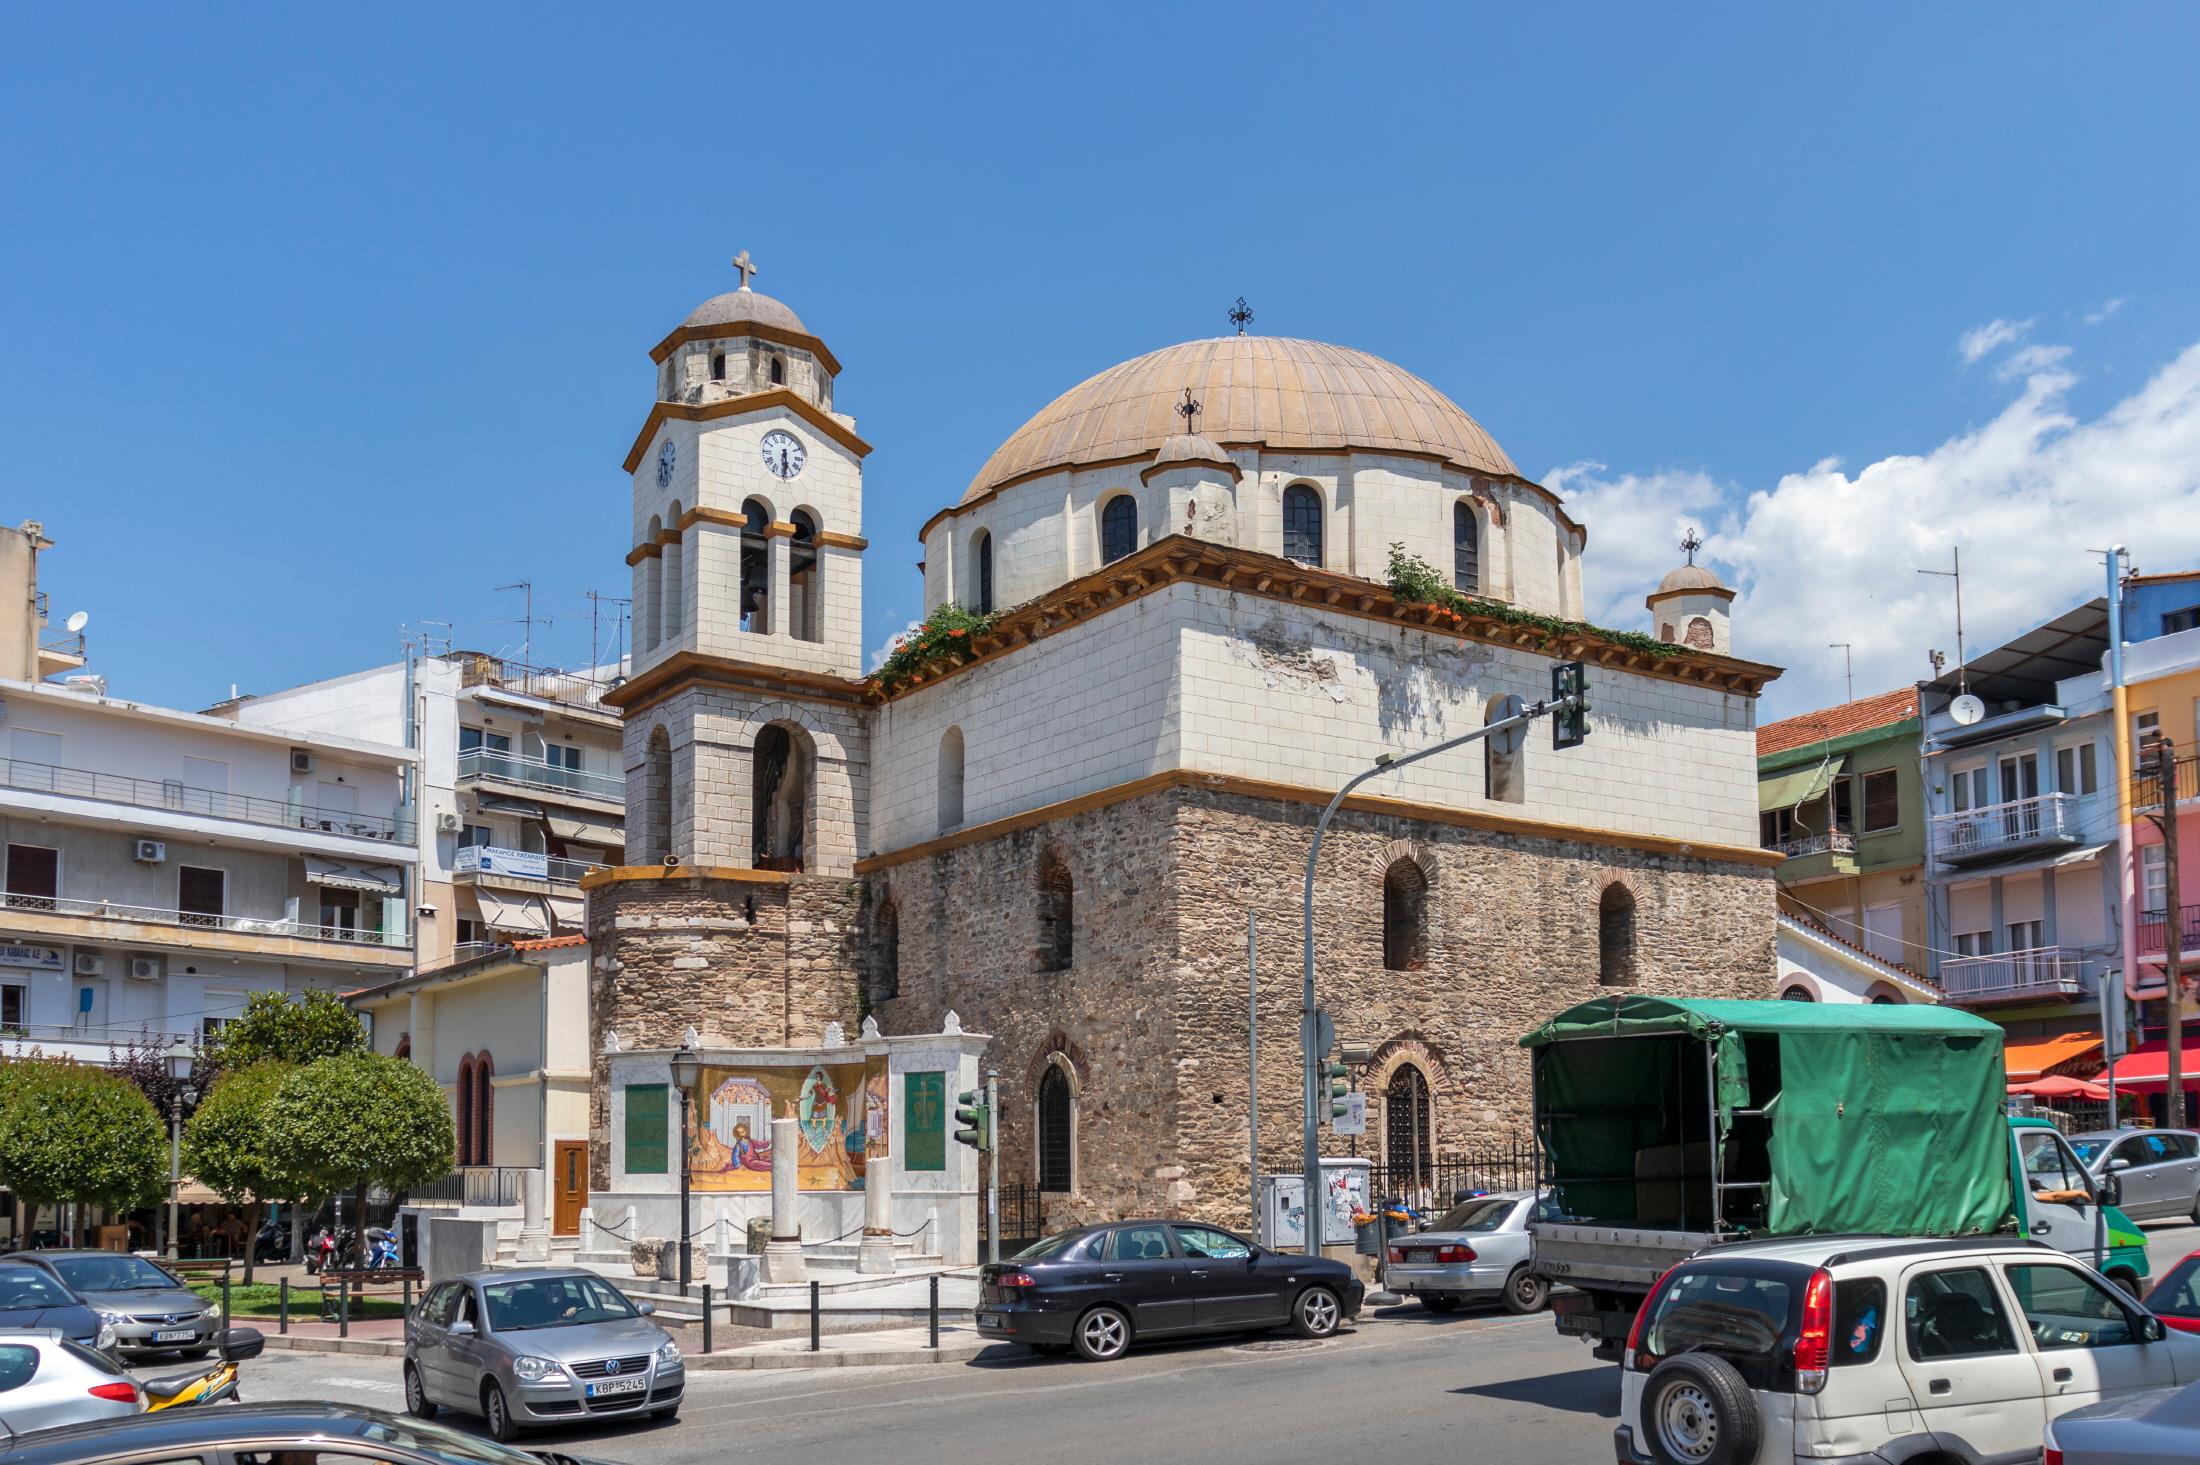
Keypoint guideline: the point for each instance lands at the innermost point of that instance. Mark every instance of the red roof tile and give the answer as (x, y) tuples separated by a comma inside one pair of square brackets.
[(1861, 715), (549, 942)]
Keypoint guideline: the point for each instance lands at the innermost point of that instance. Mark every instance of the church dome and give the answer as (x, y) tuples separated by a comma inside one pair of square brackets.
[(1689, 577), (745, 307), (1266, 390), (1192, 447)]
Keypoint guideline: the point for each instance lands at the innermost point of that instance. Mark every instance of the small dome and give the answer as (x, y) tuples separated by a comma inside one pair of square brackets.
[(1689, 577), (1191, 447), (745, 307)]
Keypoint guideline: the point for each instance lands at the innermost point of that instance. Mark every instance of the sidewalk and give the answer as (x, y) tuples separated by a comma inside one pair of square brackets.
[(385, 1338)]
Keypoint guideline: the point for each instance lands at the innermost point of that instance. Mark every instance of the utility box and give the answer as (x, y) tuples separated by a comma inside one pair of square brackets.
[(1283, 1204)]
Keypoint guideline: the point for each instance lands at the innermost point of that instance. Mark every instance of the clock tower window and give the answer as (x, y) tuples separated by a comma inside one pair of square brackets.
[(717, 366), (756, 568), (805, 580), (779, 371)]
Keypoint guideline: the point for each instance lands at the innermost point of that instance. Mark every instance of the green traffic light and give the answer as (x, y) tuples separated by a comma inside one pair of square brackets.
[(977, 1120)]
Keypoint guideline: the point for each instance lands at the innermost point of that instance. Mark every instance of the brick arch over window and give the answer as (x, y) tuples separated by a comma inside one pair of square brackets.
[(1056, 1073)]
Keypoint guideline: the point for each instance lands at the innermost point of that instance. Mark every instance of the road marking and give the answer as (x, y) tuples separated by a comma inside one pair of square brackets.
[(377, 1386)]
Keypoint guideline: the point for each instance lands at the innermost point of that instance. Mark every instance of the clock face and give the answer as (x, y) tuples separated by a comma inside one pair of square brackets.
[(667, 456), (783, 453)]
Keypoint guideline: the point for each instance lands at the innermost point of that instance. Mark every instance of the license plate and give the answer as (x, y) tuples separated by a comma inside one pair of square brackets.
[(617, 1386), (988, 1320), (175, 1335)]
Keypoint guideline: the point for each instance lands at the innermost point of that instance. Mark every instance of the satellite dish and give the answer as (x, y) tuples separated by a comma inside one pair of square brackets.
[(1966, 709), (78, 622), (1510, 740)]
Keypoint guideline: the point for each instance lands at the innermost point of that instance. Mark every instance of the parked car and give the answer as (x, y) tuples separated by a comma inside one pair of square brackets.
[(2139, 1429), (151, 1309), (1804, 1348), (1478, 1251), (29, 1298), (263, 1434), (49, 1379), (2176, 1298), (2159, 1169), (543, 1346), (1100, 1288)]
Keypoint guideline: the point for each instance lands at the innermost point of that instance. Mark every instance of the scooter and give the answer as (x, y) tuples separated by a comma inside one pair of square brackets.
[(216, 1385), (381, 1249)]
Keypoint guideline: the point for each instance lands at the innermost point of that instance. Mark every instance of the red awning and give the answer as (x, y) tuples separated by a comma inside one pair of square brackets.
[(2147, 1066), (2055, 1086)]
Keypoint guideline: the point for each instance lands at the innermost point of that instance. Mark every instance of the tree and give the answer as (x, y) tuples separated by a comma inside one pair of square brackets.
[(340, 1125), (288, 1029), (225, 1147), (70, 1132)]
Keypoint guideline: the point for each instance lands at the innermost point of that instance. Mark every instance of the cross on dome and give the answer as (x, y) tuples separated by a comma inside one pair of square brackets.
[(1690, 543), (1240, 313), (741, 263), (1189, 409)]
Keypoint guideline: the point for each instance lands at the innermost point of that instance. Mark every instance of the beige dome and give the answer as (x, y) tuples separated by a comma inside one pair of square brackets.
[(1191, 447), (1689, 577), (1266, 390), (744, 307)]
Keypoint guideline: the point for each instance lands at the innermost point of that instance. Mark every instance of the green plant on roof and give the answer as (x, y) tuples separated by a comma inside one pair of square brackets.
[(1415, 581)]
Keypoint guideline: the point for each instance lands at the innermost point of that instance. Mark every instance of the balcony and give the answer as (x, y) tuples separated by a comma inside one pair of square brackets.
[(2000, 831), (184, 923), (2041, 974), (486, 862), (2146, 790), (486, 765), (2153, 932), (59, 649), (1839, 842), (577, 689), (176, 797)]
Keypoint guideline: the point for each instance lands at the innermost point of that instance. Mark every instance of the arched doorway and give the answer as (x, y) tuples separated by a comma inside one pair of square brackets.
[(1409, 1147), (779, 807)]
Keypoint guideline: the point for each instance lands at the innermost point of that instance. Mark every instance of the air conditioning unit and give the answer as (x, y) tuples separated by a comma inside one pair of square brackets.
[(90, 964), (145, 969), (448, 822), (301, 760), (148, 851)]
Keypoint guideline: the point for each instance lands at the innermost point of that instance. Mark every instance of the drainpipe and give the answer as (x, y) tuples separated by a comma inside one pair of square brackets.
[(2125, 851)]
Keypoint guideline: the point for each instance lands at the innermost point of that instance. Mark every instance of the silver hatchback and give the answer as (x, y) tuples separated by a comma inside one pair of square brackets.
[(537, 1347), (2158, 1169), (46, 1380)]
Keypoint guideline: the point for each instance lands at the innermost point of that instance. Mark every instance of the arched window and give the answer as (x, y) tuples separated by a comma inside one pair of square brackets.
[(485, 1110), (1057, 915), (1118, 528), (805, 582), (462, 1124), (674, 559), (886, 951), (1881, 999), (756, 567), (1405, 916), (779, 371), (404, 1048), (779, 799), (1802, 994), (1699, 634), (1466, 549), (655, 841), (1055, 1129), (1302, 524), (1616, 936), (982, 552), (1502, 778), (653, 587), (717, 366), (1408, 1147), (951, 779)]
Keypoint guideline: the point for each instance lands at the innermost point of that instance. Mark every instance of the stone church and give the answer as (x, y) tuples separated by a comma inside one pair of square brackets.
[(1187, 641)]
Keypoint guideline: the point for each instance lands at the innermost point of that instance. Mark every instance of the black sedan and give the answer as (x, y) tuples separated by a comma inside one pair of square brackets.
[(31, 1299), (262, 1434), (1098, 1288)]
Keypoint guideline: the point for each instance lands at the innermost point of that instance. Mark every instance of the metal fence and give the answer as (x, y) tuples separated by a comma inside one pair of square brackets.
[(1501, 1164), (182, 798), (472, 1185), (1023, 1219)]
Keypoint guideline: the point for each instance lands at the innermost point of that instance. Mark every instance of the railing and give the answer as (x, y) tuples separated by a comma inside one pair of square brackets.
[(181, 798), (1433, 1184), (2146, 788), (487, 859), (2042, 971), (1971, 834), (111, 1035), (1839, 842), (2154, 930), (109, 910), (577, 688), (472, 1185), (62, 642), (475, 763)]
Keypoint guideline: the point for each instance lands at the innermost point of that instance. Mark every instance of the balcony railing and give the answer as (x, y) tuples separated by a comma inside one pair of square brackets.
[(110, 910), (179, 797), (1839, 842), (487, 763), (2004, 829), (2153, 931), (471, 1185), (485, 859), (2146, 789), (2042, 971), (575, 688)]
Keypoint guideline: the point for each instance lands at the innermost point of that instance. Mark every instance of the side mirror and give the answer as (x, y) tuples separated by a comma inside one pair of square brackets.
[(2119, 1163), (461, 1329), (645, 1308), (2151, 1329), (2112, 1190)]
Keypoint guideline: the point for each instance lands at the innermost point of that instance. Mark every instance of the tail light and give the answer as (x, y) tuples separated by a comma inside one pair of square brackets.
[(1814, 1343), (1016, 1279), (1397, 1254), (1455, 1253), (2052, 1457), (120, 1392), (1642, 1315)]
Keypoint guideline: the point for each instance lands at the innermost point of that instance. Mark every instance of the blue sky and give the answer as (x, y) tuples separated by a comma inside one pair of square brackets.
[(313, 324)]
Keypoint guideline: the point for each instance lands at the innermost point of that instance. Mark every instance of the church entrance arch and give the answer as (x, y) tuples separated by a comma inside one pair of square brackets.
[(783, 775)]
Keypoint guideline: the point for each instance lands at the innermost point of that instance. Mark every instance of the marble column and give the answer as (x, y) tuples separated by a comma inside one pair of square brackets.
[(783, 1255), (534, 1229), (876, 1254)]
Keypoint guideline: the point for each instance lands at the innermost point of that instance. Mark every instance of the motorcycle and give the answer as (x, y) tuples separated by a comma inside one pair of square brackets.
[(328, 1249), (381, 1249), (216, 1385)]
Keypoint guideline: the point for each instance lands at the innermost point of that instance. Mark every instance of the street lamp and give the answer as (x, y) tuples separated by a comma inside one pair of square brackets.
[(178, 1061), (686, 1069)]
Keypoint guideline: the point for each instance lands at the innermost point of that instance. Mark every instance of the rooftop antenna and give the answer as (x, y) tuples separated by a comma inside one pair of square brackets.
[(597, 600), (527, 621), (1963, 671), (1848, 662)]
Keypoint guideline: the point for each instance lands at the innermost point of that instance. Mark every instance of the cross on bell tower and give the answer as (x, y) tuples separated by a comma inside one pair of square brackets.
[(741, 263), (1690, 543)]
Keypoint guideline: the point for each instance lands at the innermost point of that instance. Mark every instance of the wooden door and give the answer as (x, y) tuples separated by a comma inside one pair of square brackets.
[(569, 1187)]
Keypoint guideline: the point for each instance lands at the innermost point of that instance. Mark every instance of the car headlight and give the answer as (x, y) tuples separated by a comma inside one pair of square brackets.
[(537, 1370), (669, 1355), (112, 1319), (106, 1337)]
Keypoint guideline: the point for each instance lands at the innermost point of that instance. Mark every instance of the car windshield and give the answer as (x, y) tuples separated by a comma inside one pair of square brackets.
[(1483, 1213), (22, 1287), (118, 1273), (553, 1302), (1048, 1248)]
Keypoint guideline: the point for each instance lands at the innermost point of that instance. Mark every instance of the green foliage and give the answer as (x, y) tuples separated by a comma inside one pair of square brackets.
[(277, 1026), (942, 640), (225, 1140), (69, 1131), (1417, 582), (342, 1124)]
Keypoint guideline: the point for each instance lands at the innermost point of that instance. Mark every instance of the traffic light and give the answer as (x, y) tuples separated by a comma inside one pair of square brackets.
[(975, 1118), (1570, 725), (1338, 1088)]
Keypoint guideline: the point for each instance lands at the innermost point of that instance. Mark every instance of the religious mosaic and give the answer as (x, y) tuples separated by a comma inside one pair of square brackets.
[(841, 1115)]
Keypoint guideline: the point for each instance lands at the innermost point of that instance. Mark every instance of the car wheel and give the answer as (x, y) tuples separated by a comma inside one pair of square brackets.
[(1439, 1302), (497, 1414), (1525, 1291), (1697, 1410), (2125, 1280), (1103, 1334), (1316, 1314), (417, 1403)]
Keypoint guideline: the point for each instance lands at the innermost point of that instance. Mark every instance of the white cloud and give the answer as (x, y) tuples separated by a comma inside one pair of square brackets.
[(1824, 555), (2026, 360), (880, 652), (1983, 340), (2106, 309)]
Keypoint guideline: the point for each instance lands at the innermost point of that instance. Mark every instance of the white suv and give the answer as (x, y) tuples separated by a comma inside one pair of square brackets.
[(1871, 1351)]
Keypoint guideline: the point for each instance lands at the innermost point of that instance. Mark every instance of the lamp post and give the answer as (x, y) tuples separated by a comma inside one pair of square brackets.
[(179, 1061), (686, 1069)]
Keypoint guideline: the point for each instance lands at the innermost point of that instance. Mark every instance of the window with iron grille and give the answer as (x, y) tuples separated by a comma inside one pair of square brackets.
[(1118, 528), (1056, 1137), (1406, 1139), (1302, 524)]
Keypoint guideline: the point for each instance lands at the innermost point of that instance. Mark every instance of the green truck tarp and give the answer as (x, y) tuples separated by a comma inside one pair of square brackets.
[(1889, 1119)]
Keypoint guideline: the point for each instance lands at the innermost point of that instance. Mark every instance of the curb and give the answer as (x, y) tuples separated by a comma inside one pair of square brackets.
[(842, 1358), (371, 1347)]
